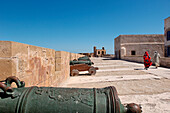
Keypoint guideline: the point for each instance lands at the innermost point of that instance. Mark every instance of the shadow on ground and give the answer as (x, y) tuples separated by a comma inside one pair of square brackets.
[(110, 58), (82, 75), (144, 69)]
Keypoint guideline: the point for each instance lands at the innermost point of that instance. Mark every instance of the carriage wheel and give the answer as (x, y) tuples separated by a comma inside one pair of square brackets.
[(92, 71), (74, 72)]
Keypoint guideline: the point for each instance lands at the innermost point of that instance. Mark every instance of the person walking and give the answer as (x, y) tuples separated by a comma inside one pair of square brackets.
[(156, 59), (147, 60)]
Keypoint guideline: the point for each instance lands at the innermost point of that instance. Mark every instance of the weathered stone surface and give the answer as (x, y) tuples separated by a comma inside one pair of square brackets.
[(41, 63), (19, 49), (63, 63), (165, 61), (56, 79), (72, 56), (32, 64), (5, 49), (5, 68), (167, 28), (141, 38), (125, 44)]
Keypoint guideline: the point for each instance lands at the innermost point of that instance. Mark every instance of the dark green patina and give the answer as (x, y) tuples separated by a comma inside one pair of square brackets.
[(81, 62), (59, 100), (85, 58)]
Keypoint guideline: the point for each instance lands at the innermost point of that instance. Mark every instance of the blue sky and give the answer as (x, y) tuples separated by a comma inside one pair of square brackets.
[(78, 25)]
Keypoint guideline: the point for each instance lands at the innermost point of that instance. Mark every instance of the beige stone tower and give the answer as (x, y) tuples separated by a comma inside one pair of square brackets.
[(94, 51)]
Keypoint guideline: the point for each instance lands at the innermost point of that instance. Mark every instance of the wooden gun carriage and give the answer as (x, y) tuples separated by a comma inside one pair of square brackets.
[(75, 69)]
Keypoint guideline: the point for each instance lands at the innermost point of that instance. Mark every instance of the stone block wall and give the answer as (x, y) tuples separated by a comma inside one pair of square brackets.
[(165, 61), (62, 64), (126, 44), (34, 65), (166, 29), (140, 49), (117, 47), (134, 58), (73, 56), (145, 38)]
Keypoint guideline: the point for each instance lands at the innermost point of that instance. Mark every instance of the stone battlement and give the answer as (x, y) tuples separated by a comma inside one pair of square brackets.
[(35, 65)]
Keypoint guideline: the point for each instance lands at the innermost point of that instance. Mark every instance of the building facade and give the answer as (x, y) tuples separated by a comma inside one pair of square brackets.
[(99, 52), (133, 47), (167, 36)]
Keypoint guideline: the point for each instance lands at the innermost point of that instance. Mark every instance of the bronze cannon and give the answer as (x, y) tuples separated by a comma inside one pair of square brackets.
[(60, 100), (85, 58), (81, 62)]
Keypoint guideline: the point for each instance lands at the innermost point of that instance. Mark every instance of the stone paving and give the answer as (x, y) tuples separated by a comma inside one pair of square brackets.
[(150, 88)]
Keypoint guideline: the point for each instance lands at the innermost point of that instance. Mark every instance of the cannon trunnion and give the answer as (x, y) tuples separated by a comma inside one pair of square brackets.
[(60, 100)]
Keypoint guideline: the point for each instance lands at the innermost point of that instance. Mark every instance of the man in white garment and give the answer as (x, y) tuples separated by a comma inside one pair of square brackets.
[(157, 59)]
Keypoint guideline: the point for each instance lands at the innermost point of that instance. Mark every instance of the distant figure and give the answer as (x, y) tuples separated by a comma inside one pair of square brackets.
[(156, 59), (147, 60)]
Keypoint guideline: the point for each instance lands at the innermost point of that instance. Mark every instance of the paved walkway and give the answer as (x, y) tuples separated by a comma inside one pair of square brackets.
[(150, 88)]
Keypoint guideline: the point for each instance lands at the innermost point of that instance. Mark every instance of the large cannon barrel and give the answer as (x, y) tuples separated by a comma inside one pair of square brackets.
[(85, 58), (61, 100), (81, 62)]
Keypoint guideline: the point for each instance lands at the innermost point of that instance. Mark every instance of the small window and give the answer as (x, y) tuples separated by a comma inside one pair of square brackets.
[(133, 52), (168, 51), (102, 52), (98, 52), (168, 35)]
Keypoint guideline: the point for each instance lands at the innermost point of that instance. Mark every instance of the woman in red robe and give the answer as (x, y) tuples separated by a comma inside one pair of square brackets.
[(147, 60)]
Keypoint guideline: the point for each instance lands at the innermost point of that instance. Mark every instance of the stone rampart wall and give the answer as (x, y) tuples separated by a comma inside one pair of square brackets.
[(142, 38), (34, 65), (140, 49), (133, 58), (165, 61)]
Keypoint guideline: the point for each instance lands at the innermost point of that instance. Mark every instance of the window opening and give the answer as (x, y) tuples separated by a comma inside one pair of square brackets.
[(133, 52)]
